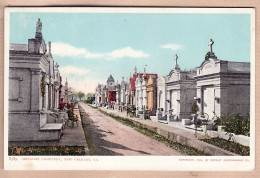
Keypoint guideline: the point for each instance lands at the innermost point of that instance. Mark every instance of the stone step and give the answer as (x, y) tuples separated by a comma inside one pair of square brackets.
[(52, 131), (51, 126)]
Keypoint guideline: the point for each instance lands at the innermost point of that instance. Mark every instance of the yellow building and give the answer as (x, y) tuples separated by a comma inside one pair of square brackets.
[(151, 95)]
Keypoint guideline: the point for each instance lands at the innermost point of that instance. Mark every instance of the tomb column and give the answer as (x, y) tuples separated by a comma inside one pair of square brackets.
[(199, 97), (36, 98), (46, 96), (168, 101), (56, 97), (165, 102), (221, 100)]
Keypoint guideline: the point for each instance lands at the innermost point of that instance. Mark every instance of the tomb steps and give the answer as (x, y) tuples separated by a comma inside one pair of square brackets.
[(53, 127)]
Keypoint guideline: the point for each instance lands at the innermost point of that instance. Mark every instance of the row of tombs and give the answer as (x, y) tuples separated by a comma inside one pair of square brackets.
[(217, 88), (36, 95)]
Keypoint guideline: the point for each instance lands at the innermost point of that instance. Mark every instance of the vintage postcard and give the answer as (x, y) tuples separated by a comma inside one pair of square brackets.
[(129, 89)]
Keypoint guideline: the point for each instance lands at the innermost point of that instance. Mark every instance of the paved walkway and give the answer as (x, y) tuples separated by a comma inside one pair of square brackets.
[(110, 137), (189, 133), (74, 136)]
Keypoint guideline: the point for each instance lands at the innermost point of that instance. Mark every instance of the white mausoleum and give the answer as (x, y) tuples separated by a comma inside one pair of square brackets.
[(223, 87), (180, 93)]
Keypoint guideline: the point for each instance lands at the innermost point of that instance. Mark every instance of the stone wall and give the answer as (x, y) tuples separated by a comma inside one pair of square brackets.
[(19, 89)]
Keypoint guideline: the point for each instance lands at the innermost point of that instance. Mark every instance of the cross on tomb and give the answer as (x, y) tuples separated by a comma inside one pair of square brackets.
[(210, 44), (176, 61)]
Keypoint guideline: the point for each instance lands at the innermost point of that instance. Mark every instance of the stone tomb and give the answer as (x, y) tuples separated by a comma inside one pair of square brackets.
[(181, 90), (33, 92), (123, 95), (223, 87), (151, 94), (161, 100), (140, 93)]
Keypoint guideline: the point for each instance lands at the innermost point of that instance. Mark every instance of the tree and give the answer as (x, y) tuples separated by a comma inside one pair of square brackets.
[(80, 95), (90, 98)]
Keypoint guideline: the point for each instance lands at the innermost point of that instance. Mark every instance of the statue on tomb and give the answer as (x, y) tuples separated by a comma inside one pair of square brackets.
[(56, 65), (39, 26), (135, 69)]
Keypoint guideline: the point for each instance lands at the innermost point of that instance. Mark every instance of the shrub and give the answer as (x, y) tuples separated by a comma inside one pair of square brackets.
[(195, 108), (207, 56), (237, 124), (73, 118)]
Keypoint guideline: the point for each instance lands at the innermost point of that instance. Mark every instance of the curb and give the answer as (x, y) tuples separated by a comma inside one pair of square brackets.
[(197, 144)]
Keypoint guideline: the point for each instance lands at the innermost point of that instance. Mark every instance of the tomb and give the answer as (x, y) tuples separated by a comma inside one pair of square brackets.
[(161, 100), (34, 89), (151, 94), (223, 87), (180, 93), (140, 93)]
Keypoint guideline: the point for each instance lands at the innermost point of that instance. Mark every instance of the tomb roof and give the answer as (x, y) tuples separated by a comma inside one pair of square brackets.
[(132, 79), (18, 47), (110, 79)]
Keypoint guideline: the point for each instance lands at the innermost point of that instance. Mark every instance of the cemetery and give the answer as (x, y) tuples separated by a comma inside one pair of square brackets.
[(198, 108), (213, 99)]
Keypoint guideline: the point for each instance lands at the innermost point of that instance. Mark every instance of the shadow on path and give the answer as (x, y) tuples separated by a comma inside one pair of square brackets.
[(97, 135)]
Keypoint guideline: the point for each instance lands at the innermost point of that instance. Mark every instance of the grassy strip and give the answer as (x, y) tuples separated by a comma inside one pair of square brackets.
[(185, 150), (47, 150), (229, 146), (87, 136)]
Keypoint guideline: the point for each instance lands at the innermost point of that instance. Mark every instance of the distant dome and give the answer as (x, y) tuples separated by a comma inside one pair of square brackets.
[(110, 79)]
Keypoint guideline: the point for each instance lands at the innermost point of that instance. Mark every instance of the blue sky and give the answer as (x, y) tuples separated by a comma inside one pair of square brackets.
[(91, 46)]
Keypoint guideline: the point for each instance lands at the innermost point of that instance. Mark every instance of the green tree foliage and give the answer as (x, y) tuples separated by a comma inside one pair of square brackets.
[(207, 56), (90, 98), (80, 95)]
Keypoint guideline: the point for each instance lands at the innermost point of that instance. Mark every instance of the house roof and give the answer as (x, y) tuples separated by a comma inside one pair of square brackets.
[(132, 79)]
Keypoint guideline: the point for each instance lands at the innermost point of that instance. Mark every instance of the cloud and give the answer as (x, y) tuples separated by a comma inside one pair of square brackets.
[(78, 79), (172, 46), (126, 52), (71, 70), (64, 49), (86, 85)]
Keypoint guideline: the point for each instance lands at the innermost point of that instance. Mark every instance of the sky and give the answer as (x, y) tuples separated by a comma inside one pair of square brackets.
[(91, 46)]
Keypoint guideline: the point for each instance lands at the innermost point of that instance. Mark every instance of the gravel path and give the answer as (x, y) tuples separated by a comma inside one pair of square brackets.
[(110, 137)]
